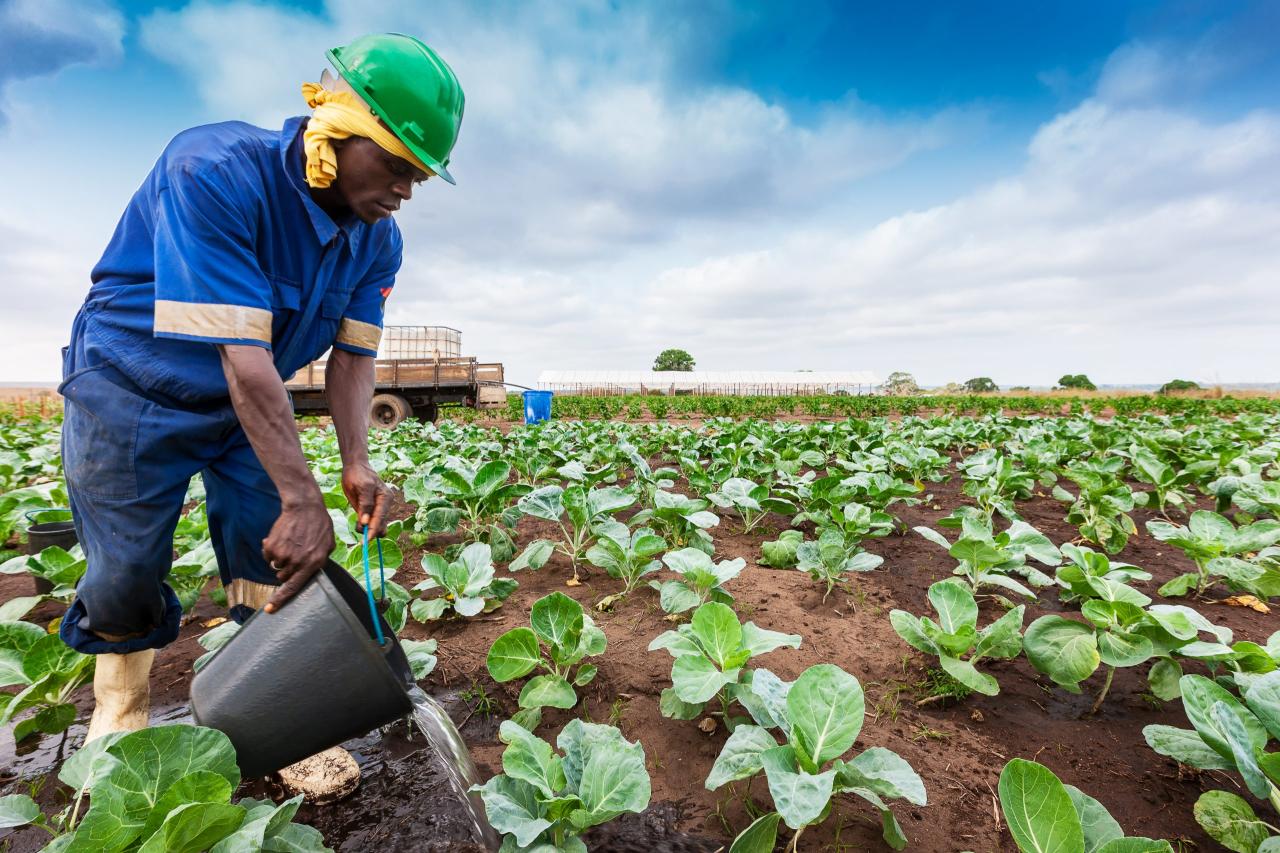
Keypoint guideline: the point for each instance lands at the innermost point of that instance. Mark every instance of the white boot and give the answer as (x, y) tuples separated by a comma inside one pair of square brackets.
[(323, 778), (121, 693)]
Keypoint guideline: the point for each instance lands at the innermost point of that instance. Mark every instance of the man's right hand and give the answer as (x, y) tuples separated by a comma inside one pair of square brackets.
[(297, 547)]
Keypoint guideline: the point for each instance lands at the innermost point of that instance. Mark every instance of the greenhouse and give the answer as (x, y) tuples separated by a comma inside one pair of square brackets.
[(769, 383)]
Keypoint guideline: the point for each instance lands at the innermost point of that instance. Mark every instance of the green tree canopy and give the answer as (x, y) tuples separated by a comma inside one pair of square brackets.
[(1077, 381), (673, 359), (1178, 385), (980, 385), (901, 384)]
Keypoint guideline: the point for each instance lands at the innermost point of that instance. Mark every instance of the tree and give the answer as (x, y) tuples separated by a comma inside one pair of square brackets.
[(1178, 385), (900, 384), (980, 385), (673, 359), (1076, 381)]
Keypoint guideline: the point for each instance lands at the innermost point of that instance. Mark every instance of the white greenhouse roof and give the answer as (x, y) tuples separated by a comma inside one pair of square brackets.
[(701, 378)]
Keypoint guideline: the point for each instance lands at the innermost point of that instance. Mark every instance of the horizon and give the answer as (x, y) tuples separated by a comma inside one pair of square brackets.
[(1071, 188)]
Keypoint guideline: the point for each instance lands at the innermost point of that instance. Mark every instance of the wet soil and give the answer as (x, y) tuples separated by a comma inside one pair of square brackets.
[(958, 750)]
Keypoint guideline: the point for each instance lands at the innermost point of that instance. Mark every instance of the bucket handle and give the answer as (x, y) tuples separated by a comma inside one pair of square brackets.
[(368, 585)]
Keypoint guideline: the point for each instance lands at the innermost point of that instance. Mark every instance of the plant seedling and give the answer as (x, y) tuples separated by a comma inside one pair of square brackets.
[(467, 585), (560, 636), (956, 635), (544, 800), (701, 580), (711, 653)]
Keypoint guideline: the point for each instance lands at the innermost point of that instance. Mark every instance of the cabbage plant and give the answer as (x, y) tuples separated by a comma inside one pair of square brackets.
[(560, 636), (1229, 734), (162, 789), (577, 510), (955, 639), (47, 670), (1219, 549), (710, 654), (544, 799), (751, 501), (626, 555), (833, 556), (1043, 814), (988, 559), (819, 716), (467, 585), (781, 553), (701, 580)]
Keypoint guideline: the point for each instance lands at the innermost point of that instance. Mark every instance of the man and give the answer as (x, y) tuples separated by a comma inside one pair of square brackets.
[(245, 255)]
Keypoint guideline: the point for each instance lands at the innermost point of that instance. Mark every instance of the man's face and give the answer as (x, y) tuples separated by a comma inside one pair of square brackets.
[(372, 181)]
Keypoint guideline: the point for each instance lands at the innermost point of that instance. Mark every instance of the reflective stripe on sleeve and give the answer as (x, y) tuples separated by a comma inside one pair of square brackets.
[(248, 593), (204, 320), (353, 333)]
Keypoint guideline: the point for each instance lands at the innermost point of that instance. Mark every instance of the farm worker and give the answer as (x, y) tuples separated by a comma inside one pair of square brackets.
[(245, 255)]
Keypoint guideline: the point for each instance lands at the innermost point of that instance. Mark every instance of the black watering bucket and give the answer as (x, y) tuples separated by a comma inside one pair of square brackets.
[(46, 534), (311, 675)]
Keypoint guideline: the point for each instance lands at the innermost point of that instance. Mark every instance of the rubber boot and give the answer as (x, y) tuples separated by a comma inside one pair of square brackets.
[(323, 778), (121, 693)]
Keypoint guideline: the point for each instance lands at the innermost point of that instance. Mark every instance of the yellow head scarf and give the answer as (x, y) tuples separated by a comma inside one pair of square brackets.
[(340, 114)]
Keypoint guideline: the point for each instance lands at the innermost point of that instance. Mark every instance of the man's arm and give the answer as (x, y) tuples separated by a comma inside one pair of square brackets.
[(348, 384), (302, 537)]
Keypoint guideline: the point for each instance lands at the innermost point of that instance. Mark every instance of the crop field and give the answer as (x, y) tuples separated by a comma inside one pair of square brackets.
[(812, 624)]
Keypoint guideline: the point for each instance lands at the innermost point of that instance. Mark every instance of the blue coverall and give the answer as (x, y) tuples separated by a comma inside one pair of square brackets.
[(222, 244)]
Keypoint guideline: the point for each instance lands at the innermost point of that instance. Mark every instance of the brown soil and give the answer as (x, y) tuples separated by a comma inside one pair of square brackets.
[(958, 750)]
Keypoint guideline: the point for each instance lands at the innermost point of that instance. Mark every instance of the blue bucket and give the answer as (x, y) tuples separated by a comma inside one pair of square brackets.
[(537, 406)]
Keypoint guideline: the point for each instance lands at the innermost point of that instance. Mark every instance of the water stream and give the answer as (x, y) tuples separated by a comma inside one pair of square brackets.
[(451, 752)]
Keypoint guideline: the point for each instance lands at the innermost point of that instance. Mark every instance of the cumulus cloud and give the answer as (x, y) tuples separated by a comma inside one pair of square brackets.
[(40, 37)]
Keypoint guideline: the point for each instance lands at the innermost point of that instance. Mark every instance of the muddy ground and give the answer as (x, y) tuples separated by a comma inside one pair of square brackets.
[(958, 750)]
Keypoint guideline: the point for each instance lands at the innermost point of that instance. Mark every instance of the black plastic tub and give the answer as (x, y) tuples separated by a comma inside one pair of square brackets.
[(295, 682), (46, 534)]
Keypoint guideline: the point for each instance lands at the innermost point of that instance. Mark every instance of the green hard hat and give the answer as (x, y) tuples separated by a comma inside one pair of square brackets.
[(410, 88)]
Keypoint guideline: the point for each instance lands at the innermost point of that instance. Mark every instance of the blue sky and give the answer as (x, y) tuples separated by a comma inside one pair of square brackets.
[(1009, 189)]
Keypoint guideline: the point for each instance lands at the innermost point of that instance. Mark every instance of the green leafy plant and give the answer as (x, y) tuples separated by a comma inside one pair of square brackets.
[(955, 635), (701, 580), (1218, 547), (47, 670), (626, 555), (456, 496), (1043, 815), (467, 585), (710, 657), (682, 521), (544, 800), (833, 556), (163, 790), (781, 553), (988, 559), (819, 717), (560, 636), (1087, 574), (1170, 486), (1229, 734), (1101, 509), (752, 502), (581, 508), (213, 640), (995, 482)]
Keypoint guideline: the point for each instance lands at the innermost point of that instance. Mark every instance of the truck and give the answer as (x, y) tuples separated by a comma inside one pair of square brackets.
[(419, 369)]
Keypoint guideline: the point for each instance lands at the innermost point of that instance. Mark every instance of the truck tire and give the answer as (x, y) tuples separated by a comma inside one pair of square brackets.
[(388, 410)]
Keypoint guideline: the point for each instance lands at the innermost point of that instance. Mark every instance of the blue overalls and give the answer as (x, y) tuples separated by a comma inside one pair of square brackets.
[(222, 244)]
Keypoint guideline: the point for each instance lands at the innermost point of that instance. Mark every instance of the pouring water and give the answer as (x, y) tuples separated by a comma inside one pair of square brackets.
[(454, 758)]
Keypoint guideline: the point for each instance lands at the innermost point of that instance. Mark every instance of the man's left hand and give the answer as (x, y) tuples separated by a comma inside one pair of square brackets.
[(368, 496)]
